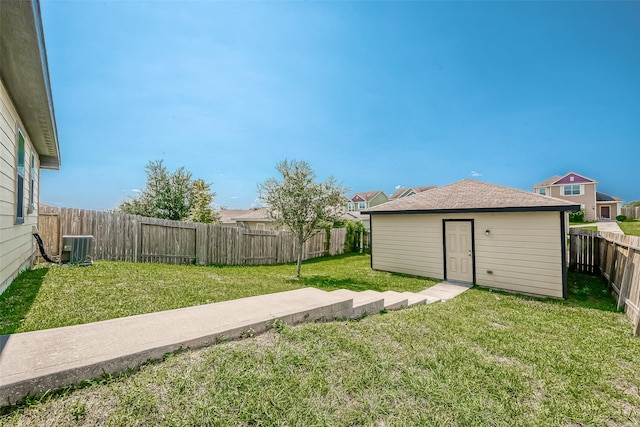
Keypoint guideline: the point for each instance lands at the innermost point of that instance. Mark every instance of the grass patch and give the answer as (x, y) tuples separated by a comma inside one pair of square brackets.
[(54, 296), (630, 227), (483, 358)]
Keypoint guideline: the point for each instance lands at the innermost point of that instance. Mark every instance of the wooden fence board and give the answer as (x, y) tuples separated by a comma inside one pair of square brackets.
[(617, 258), (121, 237)]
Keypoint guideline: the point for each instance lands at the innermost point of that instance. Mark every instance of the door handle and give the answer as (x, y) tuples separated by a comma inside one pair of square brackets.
[(469, 252)]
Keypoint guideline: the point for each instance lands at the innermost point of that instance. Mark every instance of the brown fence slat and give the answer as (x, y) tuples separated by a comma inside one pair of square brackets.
[(121, 237), (617, 258)]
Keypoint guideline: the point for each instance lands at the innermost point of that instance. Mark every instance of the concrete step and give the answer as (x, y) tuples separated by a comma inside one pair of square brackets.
[(395, 300), (34, 362), (369, 302), (415, 299)]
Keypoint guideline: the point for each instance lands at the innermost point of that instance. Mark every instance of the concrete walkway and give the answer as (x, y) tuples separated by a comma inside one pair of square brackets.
[(609, 226), (34, 362)]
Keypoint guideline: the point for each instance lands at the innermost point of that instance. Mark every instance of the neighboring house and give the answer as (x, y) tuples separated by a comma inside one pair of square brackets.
[(227, 216), (406, 192), (581, 190), (255, 219), (361, 201), (28, 135), (471, 231)]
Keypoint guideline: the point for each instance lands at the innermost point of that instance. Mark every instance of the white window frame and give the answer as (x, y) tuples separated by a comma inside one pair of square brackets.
[(572, 190), (350, 206), (20, 173), (542, 191), (362, 205)]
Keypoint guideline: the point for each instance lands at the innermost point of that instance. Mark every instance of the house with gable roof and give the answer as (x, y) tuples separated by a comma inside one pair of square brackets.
[(581, 190), (361, 201)]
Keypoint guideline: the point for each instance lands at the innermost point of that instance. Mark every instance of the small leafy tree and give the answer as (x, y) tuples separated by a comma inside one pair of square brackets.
[(634, 204), (299, 203), (202, 198), (171, 195)]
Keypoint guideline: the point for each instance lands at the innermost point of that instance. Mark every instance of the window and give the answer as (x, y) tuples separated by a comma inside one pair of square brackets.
[(571, 190), (542, 191), (350, 206), (362, 205), (20, 180), (32, 181)]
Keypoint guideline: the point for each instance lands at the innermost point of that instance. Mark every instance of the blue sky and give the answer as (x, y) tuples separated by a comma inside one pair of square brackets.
[(377, 94)]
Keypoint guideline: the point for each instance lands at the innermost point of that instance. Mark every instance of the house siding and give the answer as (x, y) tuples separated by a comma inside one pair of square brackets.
[(17, 247), (522, 251), (379, 199), (588, 199)]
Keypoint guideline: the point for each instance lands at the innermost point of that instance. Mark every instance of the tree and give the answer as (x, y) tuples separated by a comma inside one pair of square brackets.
[(299, 203), (200, 210), (634, 204), (171, 195)]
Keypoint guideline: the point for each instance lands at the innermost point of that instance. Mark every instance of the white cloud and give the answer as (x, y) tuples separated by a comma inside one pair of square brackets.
[(233, 197), (398, 187), (136, 190), (475, 173)]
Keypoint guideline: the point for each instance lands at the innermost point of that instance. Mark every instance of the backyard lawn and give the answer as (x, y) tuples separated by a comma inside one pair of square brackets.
[(483, 358), (54, 296), (630, 227)]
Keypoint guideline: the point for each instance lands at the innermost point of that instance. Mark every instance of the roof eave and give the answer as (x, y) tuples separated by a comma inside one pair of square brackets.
[(25, 73), (563, 208)]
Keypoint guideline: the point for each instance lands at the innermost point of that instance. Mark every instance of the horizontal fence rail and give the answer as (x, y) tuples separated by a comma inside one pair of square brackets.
[(122, 237), (617, 258)]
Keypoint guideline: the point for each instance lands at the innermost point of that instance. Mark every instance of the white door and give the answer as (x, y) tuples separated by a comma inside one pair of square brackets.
[(459, 255)]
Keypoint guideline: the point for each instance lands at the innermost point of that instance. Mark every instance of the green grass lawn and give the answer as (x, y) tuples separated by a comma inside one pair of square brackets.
[(54, 296), (630, 227), (482, 359)]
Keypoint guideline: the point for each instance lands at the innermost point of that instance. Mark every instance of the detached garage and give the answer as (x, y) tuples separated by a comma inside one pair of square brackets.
[(475, 232)]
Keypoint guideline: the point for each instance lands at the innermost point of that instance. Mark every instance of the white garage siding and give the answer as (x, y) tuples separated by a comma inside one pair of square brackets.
[(16, 242), (521, 253)]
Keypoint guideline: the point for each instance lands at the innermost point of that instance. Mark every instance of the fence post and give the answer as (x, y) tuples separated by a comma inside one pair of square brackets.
[(614, 257)]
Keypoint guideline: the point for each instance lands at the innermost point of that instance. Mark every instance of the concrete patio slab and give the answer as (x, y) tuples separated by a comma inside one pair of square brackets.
[(34, 362)]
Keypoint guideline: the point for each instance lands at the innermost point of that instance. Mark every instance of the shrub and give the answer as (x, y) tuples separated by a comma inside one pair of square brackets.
[(352, 239), (621, 218), (577, 216)]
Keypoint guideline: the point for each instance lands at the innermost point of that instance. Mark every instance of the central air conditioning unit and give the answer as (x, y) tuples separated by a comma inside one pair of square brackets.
[(77, 250)]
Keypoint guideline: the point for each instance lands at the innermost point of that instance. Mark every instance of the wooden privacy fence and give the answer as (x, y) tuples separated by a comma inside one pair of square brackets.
[(631, 211), (617, 258), (121, 237)]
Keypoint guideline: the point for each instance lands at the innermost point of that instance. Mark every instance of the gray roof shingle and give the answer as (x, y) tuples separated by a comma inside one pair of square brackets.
[(472, 195)]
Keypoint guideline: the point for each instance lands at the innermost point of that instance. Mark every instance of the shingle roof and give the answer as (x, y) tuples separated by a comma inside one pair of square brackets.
[(472, 195), (227, 215), (367, 195), (254, 215), (548, 181), (400, 191), (603, 197)]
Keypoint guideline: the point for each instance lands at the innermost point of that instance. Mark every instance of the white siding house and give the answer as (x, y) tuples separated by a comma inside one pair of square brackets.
[(28, 135), (470, 231)]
